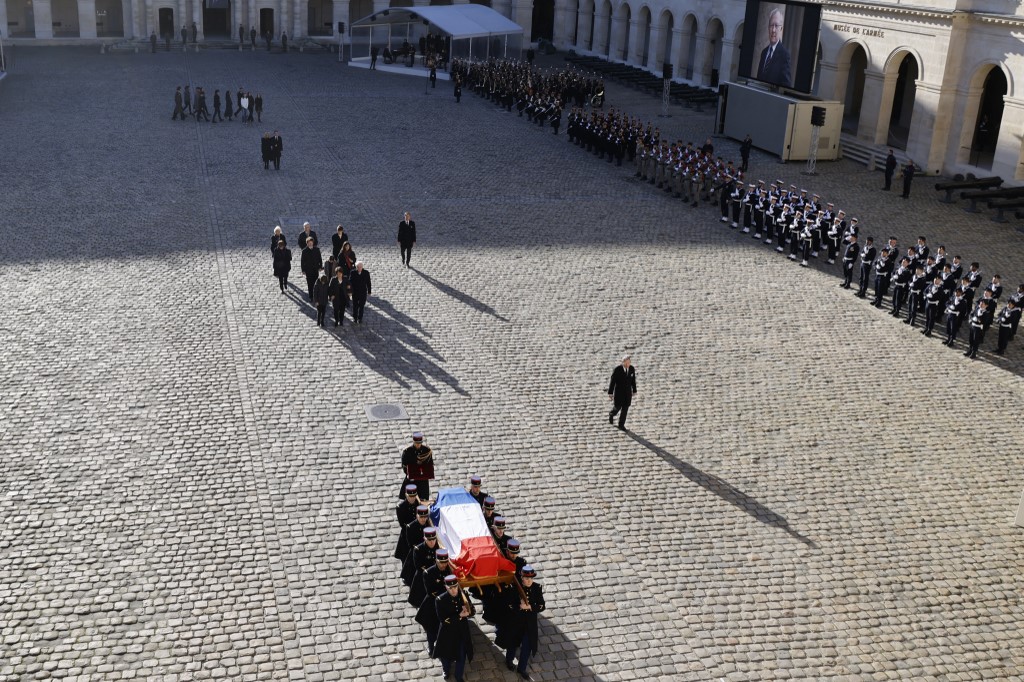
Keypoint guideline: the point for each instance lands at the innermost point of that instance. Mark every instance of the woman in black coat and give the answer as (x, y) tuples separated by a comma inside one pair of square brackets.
[(266, 147), (282, 263), (321, 294)]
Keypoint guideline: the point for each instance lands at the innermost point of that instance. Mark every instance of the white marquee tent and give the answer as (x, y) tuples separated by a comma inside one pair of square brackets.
[(475, 31)]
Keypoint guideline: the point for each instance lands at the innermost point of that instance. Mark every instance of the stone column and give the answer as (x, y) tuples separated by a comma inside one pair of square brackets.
[(600, 33), (502, 7), (922, 123), (300, 25), (678, 52), (635, 49), (619, 29), (828, 80), (146, 21), (583, 24), (699, 54), (197, 16), (870, 104), (657, 38), (43, 18), (881, 135), (725, 66), (87, 18), (181, 19), (5, 31), (560, 32), (236, 17), (341, 10), (522, 14), (1008, 147), (249, 25)]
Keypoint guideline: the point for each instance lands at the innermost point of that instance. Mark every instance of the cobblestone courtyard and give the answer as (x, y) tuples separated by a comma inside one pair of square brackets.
[(190, 488)]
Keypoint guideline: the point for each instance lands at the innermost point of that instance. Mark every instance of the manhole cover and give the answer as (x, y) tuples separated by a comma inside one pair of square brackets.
[(382, 412)]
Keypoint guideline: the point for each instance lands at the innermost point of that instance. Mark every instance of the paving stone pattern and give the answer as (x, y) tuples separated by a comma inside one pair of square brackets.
[(190, 488)]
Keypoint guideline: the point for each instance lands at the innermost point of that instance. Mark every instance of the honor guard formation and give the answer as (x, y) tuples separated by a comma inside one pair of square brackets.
[(914, 281), (443, 607)]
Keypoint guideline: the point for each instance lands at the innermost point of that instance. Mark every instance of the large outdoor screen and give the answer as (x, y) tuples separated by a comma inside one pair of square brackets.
[(780, 41)]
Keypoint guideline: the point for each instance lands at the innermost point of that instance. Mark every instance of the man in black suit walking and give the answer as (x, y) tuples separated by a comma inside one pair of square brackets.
[(359, 282), (621, 390), (406, 238), (276, 146), (774, 66)]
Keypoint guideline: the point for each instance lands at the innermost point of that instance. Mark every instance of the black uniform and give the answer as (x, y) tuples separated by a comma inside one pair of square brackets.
[(1007, 321), (519, 633), (867, 259), (849, 257), (934, 303), (883, 273), (421, 557), (454, 644), (900, 288), (956, 309)]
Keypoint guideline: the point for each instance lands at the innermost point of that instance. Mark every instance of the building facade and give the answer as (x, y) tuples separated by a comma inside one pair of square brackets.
[(934, 79), (54, 19)]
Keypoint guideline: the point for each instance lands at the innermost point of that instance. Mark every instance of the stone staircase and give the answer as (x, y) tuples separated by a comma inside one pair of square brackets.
[(871, 155), (142, 45)]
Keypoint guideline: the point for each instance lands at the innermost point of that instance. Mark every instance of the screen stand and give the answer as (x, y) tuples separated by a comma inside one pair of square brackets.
[(665, 90), (812, 153)]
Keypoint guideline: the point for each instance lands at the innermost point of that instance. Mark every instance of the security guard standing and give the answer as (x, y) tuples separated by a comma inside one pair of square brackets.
[(1008, 320), (849, 257)]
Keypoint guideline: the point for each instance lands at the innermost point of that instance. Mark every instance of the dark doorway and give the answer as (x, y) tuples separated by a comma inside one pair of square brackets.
[(543, 20), (109, 19), (166, 19), (990, 116), (266, 22), (903, 103), (217, 18), (854, 90)]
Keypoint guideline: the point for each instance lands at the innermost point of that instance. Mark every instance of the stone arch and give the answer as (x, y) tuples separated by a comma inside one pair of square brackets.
[(64, 15), (585, 17), (851, 64), (666, 25), (901, 72), (737, 45), (543, 20), (688, 48), (896, 57), (643, 34), (714, 36), (606, 23), (989, 86), (620, 31)]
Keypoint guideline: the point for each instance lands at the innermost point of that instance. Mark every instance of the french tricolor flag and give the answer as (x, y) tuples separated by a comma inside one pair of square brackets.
[(462, 530)]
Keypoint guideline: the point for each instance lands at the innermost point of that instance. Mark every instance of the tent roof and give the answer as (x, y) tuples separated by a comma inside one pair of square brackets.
[(458, 21)]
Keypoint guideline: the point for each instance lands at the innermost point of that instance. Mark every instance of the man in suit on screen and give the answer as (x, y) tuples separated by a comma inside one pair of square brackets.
[(774, 66)]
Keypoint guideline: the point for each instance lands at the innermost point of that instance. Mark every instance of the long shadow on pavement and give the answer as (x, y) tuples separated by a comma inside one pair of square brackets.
[(387, 342), (724, 490), (558, 658), (460, 296)]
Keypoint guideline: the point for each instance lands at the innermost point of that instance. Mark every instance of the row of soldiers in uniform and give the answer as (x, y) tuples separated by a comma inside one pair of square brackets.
[(443, 607), (539, 94), (927, 284)]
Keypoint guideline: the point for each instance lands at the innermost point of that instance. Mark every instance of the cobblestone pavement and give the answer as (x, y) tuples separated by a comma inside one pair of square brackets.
[(190, 489)]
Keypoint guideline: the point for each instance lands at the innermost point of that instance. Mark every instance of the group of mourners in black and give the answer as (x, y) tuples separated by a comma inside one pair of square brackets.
[(192, 102), (444, 608), (919, 282), (334, 282)]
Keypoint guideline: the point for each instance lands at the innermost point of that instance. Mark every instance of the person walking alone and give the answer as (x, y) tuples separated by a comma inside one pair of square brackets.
[(406, 238), (282, 264), (621, 390)]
